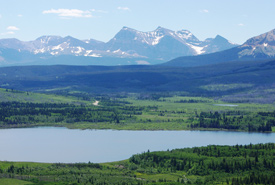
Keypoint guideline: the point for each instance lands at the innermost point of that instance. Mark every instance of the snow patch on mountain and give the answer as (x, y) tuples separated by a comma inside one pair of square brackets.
[(54, 53), (79, 50), (156, 40), (39, 51), (95, 55), (117, 51), (89, 53), (58, 47), (198, 49), (184, 35)]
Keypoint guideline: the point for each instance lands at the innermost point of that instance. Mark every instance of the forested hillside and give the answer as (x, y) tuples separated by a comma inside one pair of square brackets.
[(234, 165), (253, 78)]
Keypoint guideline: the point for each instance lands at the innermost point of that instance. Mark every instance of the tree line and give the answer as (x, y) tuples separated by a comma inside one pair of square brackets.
[(255, 162), (236, 120), (18, 113)]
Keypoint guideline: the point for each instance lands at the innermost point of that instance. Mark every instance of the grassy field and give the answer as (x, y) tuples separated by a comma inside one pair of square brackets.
[(6, 181), (203, 104), (21, 96)]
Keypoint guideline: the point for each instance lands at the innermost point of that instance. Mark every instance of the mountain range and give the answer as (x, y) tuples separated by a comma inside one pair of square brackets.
[(128, 46), (260, 47)]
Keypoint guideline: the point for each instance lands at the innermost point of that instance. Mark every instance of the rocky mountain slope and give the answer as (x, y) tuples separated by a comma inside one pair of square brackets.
[(261, 47)]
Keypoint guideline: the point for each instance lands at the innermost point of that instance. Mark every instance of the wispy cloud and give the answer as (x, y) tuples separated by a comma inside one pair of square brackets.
[(240, 24), (20, 15), (69, 13), (123, 8), (7, 33), (98, 11), (12, 28), (205, 11), (0, 16)]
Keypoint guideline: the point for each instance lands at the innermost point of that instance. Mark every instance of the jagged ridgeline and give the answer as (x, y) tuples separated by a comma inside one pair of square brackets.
[(261, 47), (128, 46)]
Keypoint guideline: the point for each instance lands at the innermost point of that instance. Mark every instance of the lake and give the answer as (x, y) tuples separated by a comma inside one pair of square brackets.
[(53, 144)]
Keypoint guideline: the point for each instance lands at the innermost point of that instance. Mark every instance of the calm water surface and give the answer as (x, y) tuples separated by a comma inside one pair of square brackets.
[(51, 144)]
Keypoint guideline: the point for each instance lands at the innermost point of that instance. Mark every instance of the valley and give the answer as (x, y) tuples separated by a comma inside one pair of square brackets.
[(132, 111), (142, 104), (230, 96)]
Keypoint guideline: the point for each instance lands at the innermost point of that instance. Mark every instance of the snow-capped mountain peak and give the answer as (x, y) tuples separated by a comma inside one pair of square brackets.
[(186, 35), (159, 44), (162, 30)]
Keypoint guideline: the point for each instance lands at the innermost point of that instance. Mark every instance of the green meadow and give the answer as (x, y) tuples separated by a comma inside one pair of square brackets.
[(132, 112)]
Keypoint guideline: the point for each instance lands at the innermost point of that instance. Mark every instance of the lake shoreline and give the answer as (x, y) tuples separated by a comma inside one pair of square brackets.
[(126, 129)]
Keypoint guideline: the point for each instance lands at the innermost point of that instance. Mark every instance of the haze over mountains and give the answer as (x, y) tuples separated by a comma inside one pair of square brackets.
[(128, 46)]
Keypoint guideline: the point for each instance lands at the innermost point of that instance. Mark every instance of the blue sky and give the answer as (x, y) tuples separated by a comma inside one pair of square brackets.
[(236, 20)]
